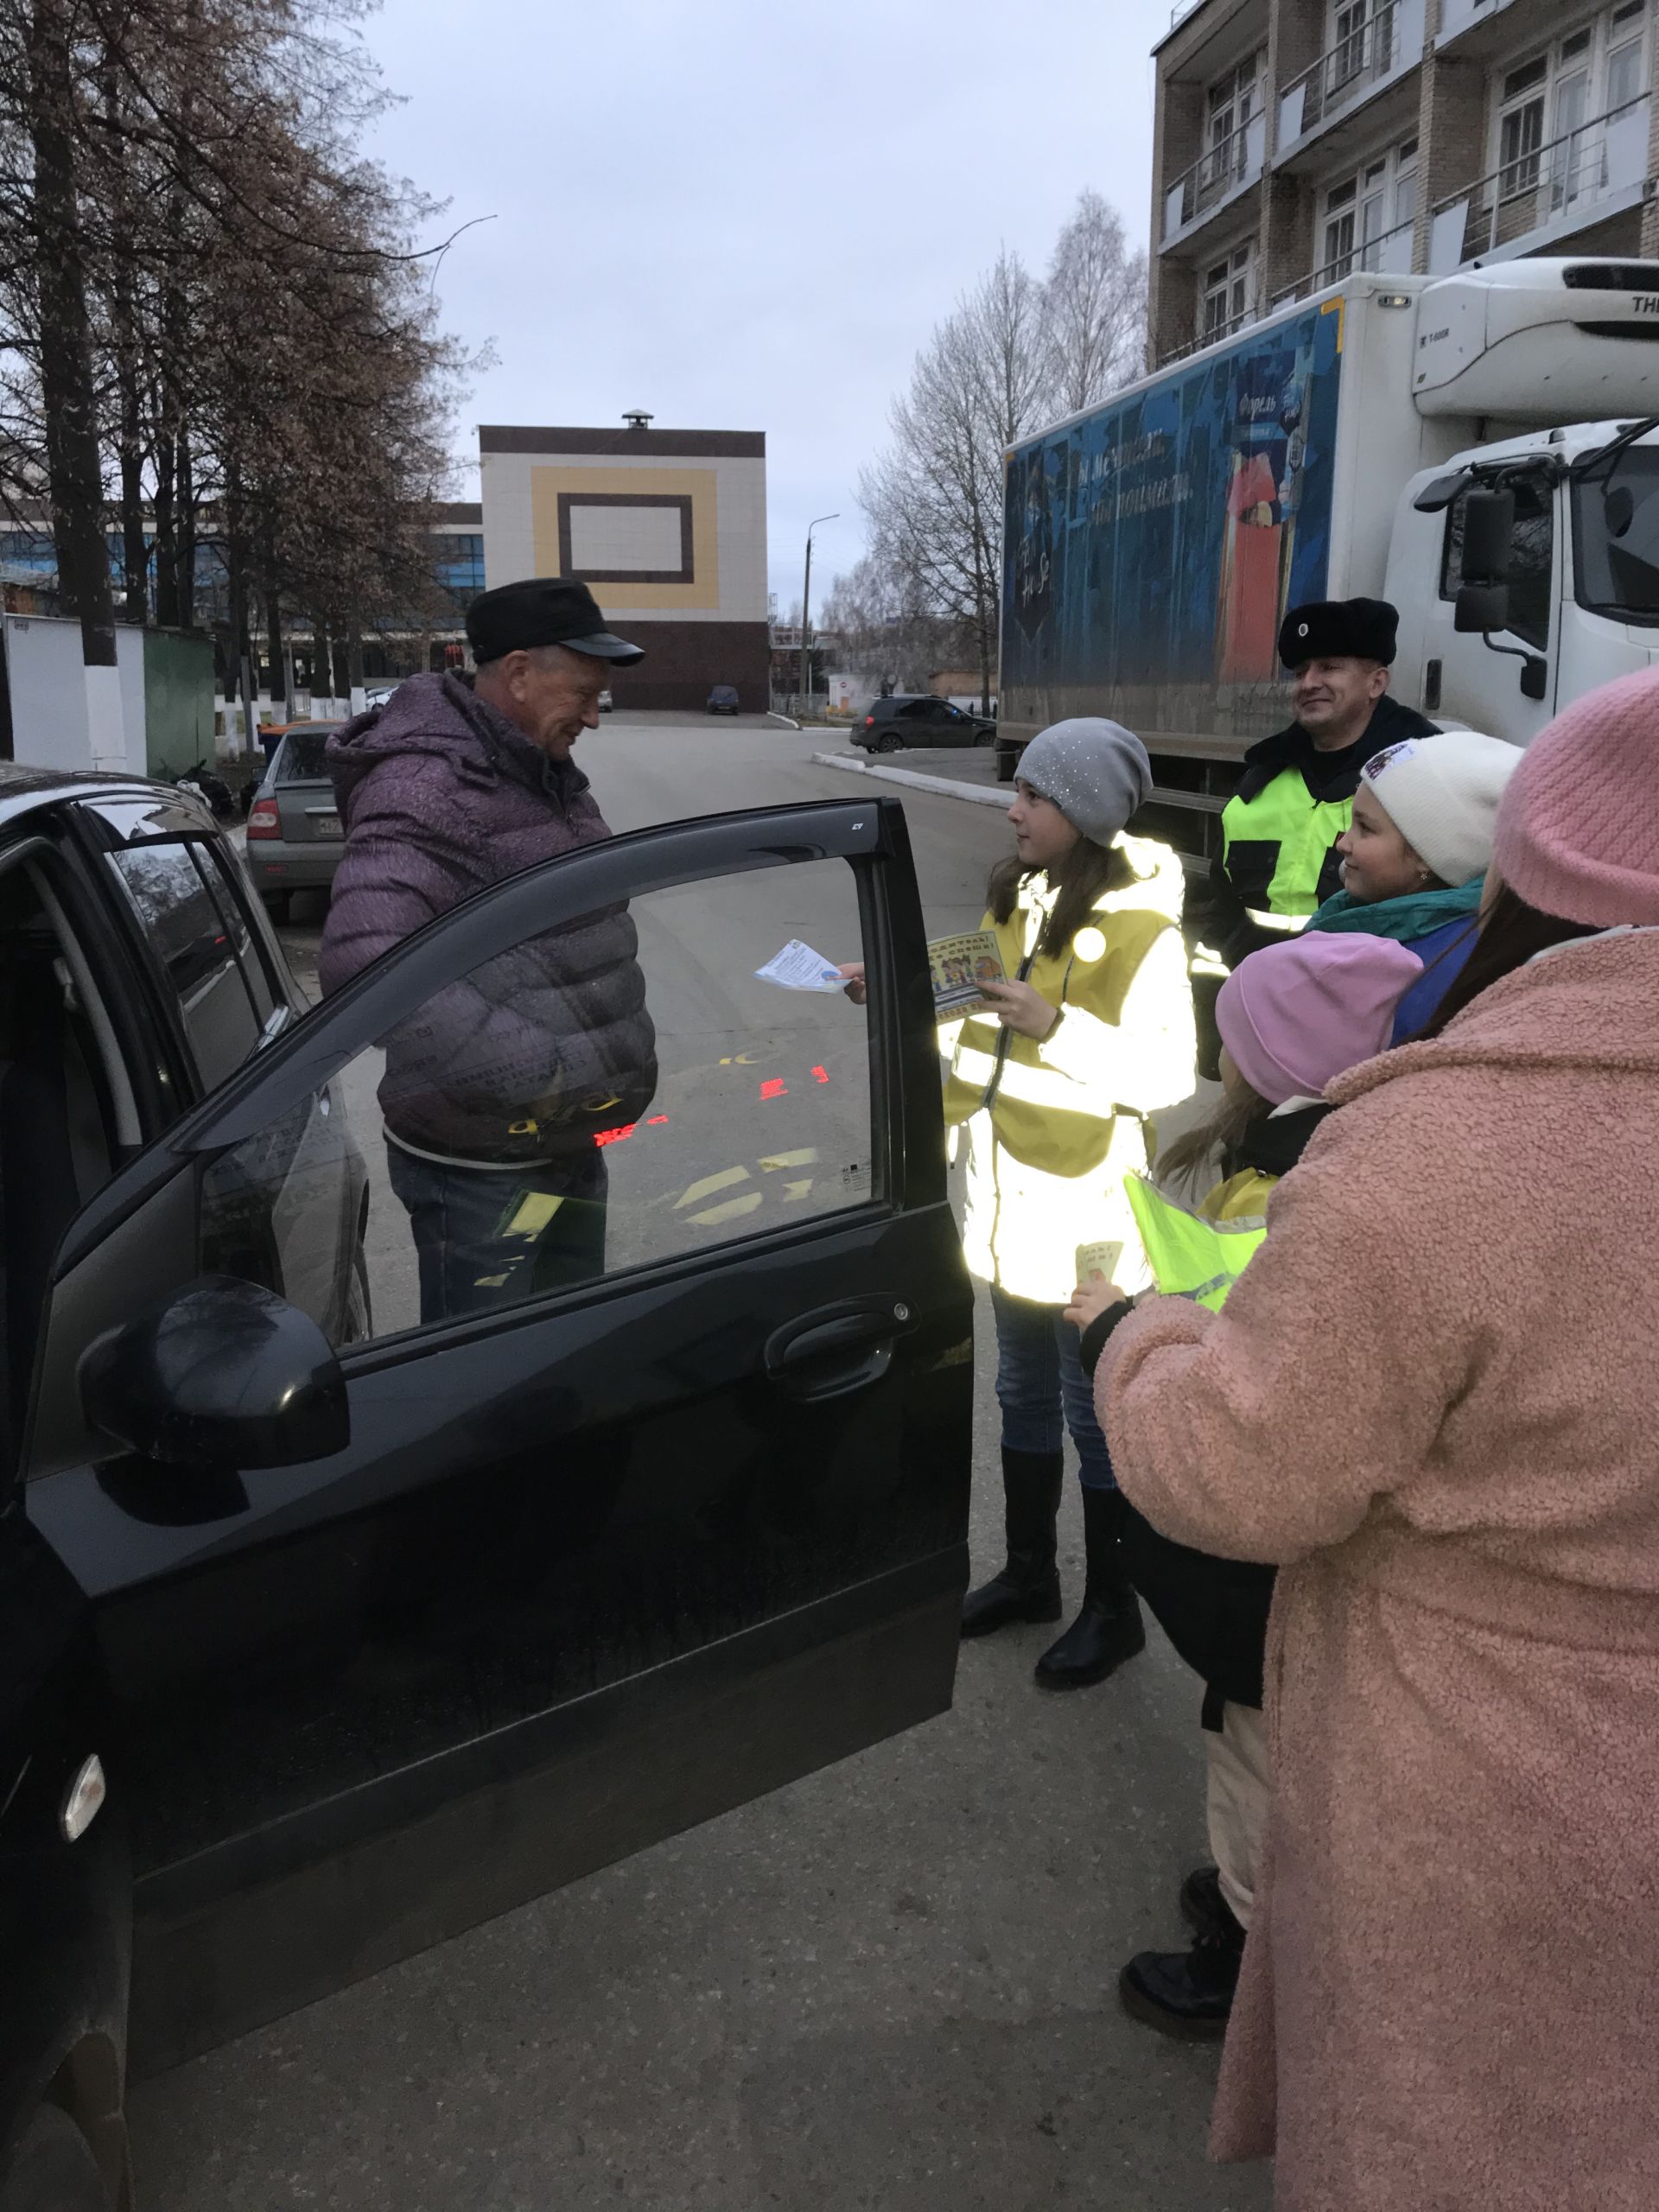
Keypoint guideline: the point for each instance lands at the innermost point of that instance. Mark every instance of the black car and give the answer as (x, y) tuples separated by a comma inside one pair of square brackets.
[(325, 1634), (722, 700), (908, 719)]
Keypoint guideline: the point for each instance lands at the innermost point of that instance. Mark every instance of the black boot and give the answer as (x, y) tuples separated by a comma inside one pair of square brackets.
[(1108, 1630), (1028, 1588), (1188, 1994)]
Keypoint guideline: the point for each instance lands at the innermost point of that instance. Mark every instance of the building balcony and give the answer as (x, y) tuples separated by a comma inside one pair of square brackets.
[(1215, 180), (1212, 335), (1547, 194), (1382, 53), (1389, 254), (1458, 17)]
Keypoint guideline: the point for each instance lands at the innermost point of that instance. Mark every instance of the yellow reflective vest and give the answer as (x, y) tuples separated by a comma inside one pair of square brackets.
[(1199, 1252), (1052, 1128), (1276, 848)]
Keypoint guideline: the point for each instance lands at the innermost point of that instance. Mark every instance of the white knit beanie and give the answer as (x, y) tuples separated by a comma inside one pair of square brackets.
[(1441, 793)]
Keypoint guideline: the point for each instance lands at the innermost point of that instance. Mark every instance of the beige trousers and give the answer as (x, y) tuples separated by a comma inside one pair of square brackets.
[(1240, 1786)]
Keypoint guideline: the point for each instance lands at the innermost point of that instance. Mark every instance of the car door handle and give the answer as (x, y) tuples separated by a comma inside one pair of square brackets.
[(837, 1348)]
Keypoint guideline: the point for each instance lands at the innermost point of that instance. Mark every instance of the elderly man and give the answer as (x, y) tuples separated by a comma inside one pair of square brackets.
[(495, 1090)]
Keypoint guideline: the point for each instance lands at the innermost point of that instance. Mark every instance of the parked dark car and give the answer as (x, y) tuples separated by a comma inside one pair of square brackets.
[(372, 1629), (722, 700), (294, 839), (908, 719)]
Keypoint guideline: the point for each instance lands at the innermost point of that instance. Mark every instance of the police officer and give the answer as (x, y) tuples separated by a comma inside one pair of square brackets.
[(1279, 858)]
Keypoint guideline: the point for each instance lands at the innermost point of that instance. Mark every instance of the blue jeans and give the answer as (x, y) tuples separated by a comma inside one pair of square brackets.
[(482, 1241), (1042, 1388)]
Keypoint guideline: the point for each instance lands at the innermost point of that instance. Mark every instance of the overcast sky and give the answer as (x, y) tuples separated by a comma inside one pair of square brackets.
[(745, 217)]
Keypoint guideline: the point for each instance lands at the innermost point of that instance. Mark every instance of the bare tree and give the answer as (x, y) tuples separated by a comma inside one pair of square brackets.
[(1094, 308), (935, 498), (1013, 355)]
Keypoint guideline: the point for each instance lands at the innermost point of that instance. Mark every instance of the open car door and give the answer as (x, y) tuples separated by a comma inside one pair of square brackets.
[(404, 1621)]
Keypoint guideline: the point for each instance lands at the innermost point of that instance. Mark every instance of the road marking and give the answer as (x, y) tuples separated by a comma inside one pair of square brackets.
[(745, 1203), (710, 1183), (807, 1157), (797, 1190)]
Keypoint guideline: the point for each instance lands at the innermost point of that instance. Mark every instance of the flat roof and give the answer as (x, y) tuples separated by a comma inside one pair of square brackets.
[(699, 445)]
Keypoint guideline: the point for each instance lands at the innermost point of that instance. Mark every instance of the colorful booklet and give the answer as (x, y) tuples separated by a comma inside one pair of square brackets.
[(959, 965)]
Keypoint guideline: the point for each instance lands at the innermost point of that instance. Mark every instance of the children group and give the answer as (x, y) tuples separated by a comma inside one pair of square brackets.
[(1397, 1500)]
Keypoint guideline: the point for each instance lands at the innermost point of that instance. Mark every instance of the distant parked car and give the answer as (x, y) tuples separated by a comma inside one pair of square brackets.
[(722, 700), (294, 839), (604, 702), (907, 719)]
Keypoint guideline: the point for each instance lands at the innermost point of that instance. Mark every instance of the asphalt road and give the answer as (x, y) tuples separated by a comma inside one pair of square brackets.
[(889, 1986)]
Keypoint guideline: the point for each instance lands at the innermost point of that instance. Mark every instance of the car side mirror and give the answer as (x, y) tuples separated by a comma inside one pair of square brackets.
[(221, 1375)]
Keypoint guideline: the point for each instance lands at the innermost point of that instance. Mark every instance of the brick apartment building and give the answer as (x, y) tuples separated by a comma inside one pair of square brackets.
[(1296, 141)]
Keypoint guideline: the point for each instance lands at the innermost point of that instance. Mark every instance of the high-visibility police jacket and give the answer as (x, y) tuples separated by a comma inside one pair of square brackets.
[(1053, 1127), (1278, 860)]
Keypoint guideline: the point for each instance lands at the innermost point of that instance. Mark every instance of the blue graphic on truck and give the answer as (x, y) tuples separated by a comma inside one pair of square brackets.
[(1157, 541)]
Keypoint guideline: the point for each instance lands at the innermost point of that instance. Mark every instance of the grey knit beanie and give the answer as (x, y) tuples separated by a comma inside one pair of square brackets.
[(1095, 771)]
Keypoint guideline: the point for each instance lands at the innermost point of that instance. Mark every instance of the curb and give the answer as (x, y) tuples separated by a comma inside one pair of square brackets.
[(782, 721), (995, 795)]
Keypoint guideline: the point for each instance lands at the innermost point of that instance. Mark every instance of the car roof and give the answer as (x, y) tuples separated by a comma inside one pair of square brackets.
[(25, 790)]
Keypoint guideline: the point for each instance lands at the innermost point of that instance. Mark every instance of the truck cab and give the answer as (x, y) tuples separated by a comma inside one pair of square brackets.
[(1577, 597)]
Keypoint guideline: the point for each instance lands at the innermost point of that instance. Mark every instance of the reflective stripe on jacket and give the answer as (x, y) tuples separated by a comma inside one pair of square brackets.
[(1053, 1127)]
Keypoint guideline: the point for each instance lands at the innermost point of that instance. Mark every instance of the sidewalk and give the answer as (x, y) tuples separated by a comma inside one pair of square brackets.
[(970, 772)]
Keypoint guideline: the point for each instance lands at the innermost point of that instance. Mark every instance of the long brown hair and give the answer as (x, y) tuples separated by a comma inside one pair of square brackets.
[(1222, 1130), (1086, 873), (1511, 933)]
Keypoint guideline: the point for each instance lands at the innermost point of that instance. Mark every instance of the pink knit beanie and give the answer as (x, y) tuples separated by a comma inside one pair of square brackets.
[(1296, 1015), (1578, 831)]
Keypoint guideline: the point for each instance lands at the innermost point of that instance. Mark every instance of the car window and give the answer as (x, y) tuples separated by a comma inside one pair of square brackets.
[(66, 1109), (196, 945), (918, 710), (263, 986), (301, 757), (619, 1093)]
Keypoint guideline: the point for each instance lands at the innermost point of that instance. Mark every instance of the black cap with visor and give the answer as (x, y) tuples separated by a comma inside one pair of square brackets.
[(543, 611)]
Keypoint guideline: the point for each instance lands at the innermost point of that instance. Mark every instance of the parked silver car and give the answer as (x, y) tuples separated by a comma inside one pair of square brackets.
[(294, 838)]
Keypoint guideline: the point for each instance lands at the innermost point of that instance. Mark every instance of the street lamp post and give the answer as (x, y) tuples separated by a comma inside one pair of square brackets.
[(806, 603)]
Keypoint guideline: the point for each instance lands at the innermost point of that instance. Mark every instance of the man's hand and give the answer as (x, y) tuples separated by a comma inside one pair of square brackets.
[(1021, 1006), (1091, 1299), (853, 975)]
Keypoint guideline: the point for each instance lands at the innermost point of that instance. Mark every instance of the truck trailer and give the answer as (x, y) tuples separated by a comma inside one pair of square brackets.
[(1482, 449)]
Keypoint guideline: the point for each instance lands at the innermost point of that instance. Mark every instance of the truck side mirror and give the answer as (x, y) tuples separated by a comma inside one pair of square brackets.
[(1480, 607), (1487, 532)]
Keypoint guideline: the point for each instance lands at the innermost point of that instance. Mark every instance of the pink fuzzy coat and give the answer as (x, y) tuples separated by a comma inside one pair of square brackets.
[(1434, 1397)]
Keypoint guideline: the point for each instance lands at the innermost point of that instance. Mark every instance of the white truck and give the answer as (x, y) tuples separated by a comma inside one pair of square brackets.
[(1482, 449)]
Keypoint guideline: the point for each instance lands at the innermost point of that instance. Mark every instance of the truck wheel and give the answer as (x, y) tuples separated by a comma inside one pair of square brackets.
[(276, 905), (1004, 765), (53, 2168)]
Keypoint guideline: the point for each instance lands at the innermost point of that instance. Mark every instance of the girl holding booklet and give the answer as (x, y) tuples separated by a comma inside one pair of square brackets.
[(1052, 1078)]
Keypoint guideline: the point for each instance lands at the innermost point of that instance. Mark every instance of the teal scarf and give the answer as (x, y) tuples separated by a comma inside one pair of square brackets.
[(1403, 919)]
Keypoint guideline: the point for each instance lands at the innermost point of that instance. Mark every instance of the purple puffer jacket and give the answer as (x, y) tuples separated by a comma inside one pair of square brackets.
[(531, 1056)]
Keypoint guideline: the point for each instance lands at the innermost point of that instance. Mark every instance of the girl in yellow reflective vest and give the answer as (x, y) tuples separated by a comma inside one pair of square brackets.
[(1091, 1031)]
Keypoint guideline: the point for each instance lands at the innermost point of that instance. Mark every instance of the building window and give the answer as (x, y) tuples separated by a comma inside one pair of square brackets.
[(1228, 294), (459, 564), (1348, 41), (1231, 102), (1369, 216), (1339, 211), (1555, 114)]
